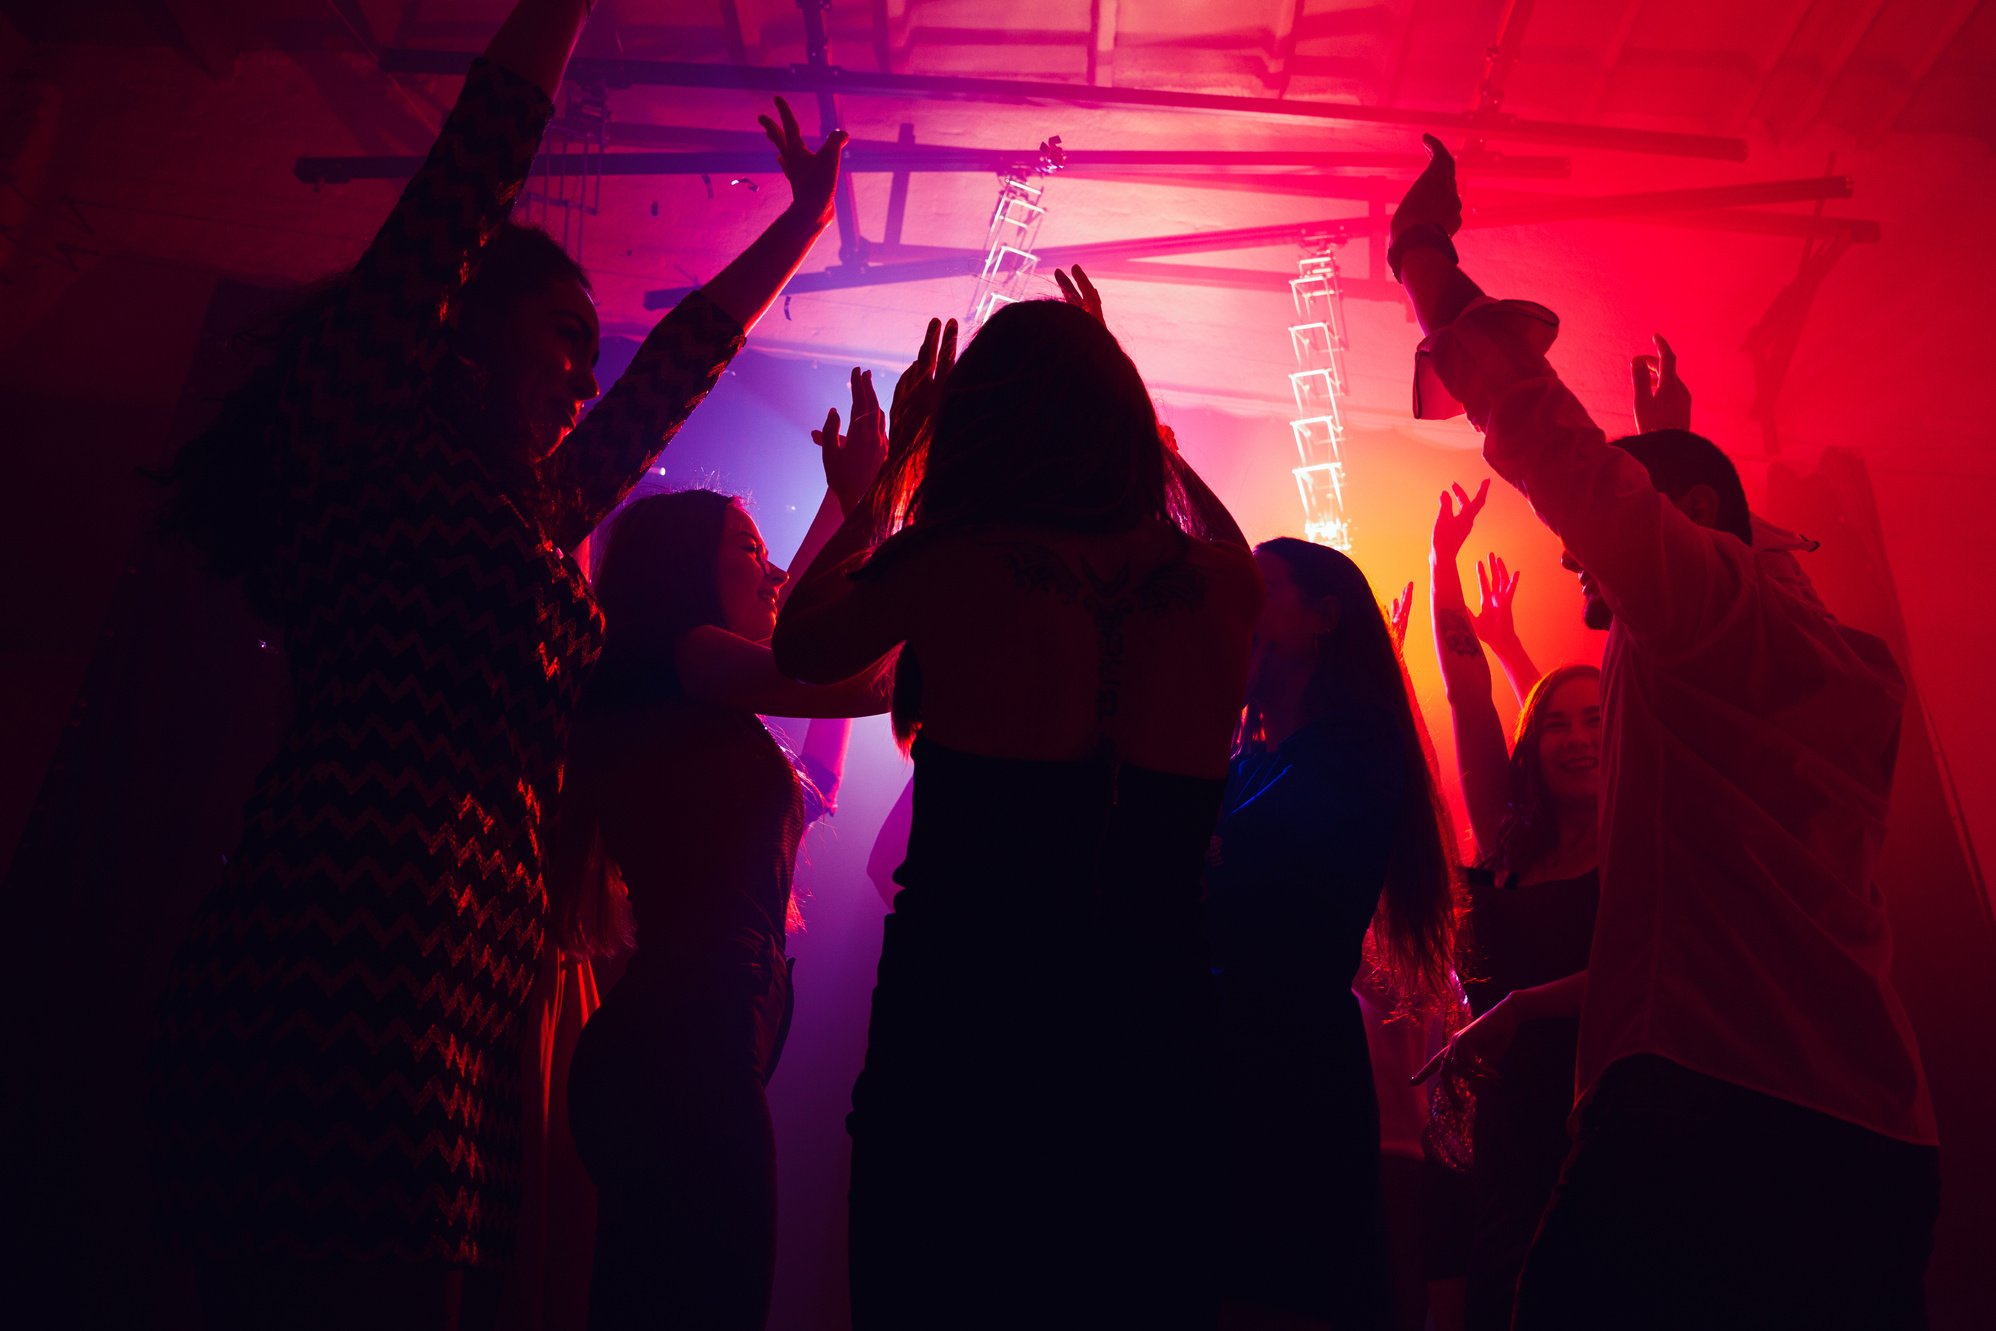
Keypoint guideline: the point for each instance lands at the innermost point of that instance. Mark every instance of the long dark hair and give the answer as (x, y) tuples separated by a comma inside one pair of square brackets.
[(228, 487), (1530, 829), (1414, 927), (1044, 422), (655, 582)]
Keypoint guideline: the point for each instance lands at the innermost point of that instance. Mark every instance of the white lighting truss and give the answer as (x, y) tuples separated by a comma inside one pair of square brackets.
[(1318, 341), (1009, 261)]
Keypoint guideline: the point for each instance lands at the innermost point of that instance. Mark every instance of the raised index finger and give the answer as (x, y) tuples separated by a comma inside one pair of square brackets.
[(1088, 294), (946, 355), (864, 399), (792, 134)]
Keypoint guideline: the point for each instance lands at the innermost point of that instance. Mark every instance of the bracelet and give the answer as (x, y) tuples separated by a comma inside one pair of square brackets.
[(1420, 236)]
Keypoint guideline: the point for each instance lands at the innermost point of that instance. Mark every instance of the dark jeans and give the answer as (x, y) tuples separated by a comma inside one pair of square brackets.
[(1691, 1202)]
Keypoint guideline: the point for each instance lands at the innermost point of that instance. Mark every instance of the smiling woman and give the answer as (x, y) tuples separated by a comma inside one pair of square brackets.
[(679, 830), (1533, 805)]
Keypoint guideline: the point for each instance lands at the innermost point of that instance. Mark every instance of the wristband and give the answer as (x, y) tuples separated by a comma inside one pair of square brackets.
[(1420, 236)]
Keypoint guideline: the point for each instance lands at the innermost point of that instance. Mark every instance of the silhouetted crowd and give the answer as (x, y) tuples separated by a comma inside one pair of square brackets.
[(1173, 815)]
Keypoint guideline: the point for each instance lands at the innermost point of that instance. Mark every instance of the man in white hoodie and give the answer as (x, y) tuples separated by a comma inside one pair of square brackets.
[(1754, 1142)]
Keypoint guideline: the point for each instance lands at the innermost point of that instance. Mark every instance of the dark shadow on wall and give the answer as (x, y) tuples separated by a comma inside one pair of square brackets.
[(1943, 937)]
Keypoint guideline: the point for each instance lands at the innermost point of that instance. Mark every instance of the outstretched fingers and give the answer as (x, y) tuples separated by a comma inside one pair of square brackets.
[(946, 352), (1471, 506), (793, 133)]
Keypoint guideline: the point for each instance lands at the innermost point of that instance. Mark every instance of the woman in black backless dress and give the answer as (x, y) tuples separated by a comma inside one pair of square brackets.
[(1025, 1131)]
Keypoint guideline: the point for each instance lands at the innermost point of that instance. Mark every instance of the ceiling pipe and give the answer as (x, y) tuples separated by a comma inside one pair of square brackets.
[(803, 80), (862, 157)]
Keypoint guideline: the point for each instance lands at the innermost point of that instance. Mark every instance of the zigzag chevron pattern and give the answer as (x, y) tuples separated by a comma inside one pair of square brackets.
[(337, 1070)]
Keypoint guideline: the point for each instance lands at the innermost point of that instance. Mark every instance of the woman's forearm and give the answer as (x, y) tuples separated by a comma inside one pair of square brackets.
[(824, 525), (1563, 997), (824, 748), (1481, 757), (1519, 668), (537, 39), (748, 286)]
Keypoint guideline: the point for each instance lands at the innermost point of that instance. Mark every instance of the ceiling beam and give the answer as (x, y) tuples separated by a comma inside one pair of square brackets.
[(1610, 59), (827, 81), (1503, 54), (731, 24), (878, 155), (1690, 207), (1288, 18), (818, 55), (1831, 65), (1941, 30), (1102, 42)]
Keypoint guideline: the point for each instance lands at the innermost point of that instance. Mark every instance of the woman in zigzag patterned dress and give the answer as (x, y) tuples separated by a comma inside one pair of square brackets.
[(337, 1094)]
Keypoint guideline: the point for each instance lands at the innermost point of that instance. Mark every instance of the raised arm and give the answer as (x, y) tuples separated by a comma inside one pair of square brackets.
[(1422, 251), (1668, 579), (1497, 588), (1482, 758), (728, 670), (537, 39), (685, 353), (834, 625), (852, 462), (890, 847), (376, 336), (720, 667)]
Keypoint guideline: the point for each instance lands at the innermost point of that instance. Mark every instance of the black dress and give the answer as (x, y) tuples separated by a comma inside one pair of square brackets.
[(1028, 1128), (1522, 937), (666, 1093), (1304, 840)]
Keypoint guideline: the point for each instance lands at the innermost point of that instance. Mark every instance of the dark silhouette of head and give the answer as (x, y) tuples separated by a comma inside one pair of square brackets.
[(657, 579), (1044, 421), (1692, 472), (228, 485)]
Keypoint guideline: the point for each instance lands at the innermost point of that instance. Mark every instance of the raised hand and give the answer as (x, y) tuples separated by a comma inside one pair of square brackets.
[(853, 460), (1397, 616), (1455, 520), (1499, 588), (1432, 198), (1078, 290), (921, 384), (1662, 400), (813, 176)]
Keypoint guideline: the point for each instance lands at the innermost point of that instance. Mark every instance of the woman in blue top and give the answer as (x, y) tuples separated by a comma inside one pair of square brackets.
[(1329, 826)]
